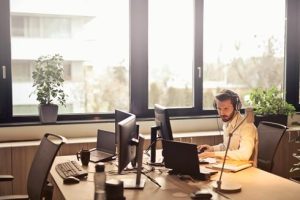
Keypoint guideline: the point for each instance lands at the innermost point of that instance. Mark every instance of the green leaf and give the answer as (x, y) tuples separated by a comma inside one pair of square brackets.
[(269, 101), (48, 79)]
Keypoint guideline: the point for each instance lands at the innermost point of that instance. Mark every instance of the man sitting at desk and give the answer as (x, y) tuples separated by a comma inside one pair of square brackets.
[(243, 141)]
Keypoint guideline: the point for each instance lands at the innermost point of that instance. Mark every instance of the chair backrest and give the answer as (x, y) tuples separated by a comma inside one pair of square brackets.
[(269, 136), (41, 164)]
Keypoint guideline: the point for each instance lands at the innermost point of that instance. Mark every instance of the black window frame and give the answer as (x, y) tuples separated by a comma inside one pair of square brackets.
[(292, 76), (139, 65)]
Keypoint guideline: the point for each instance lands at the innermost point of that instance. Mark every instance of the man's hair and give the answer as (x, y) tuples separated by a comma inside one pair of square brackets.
[(228, 95)]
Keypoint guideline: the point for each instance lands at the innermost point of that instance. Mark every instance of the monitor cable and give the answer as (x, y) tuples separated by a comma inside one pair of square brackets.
[(151, 179), (149, 147)]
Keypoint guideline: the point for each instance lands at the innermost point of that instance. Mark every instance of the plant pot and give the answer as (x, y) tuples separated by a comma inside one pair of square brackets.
[(280, 119), (48, 113)]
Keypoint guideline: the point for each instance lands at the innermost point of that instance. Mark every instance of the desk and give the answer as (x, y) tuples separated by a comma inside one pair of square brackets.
[(256, 184)]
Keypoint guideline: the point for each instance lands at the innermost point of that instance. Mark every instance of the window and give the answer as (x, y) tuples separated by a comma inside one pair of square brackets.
[(94, 45), (243, 50), (171, 53), (293, 53), (132, 54), (17, 24), (21, 71), (56, 27)]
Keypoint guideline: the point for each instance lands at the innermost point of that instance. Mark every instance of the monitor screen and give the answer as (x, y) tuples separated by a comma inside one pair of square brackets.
[(163, 122), (119, 116)]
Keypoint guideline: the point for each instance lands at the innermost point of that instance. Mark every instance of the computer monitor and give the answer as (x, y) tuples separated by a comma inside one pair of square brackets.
[(129, 149), (119, 116), (162, 120), (161, 130)]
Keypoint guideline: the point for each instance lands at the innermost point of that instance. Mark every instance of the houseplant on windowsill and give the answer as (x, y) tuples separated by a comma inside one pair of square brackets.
[(270, 105), (48, 83)]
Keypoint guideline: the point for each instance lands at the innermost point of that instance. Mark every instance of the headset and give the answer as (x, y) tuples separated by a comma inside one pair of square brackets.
[(228, 94)]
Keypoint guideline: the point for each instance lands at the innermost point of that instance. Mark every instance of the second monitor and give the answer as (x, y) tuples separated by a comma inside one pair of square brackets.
[(130, 148), (162, 129)]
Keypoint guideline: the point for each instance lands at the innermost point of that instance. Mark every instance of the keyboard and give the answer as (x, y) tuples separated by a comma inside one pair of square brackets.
[(70, 168)]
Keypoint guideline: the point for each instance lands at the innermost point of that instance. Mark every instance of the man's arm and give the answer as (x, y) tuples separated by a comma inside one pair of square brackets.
[(248, 133)]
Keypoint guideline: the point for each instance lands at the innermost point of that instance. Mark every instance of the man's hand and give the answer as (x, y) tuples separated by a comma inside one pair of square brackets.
[(205, 147), (205, 151), (206, 154)]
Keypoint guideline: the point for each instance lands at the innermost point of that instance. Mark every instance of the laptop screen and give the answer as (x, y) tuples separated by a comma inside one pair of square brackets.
[(106, 141)]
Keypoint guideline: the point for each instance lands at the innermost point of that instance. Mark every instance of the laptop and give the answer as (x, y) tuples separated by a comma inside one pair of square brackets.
[(182, 158), (105, 149)]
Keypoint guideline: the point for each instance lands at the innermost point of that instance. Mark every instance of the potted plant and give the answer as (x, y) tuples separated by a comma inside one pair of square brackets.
[(48, 82), (269, 105)]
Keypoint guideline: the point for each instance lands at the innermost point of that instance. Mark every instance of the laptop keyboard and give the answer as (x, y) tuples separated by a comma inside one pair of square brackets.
[(100, 154), (70, 168)]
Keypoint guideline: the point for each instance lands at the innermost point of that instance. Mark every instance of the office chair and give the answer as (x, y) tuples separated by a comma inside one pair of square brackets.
[(269, 136), (294, 171), (37, 184)]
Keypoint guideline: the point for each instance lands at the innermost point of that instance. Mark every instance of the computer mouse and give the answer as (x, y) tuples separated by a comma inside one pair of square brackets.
[(202, 150), (201, 195), (71, 180)]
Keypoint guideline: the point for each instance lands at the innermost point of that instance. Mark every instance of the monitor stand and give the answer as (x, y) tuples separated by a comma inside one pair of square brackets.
[(138, 182), (152, 148), (132, 184)]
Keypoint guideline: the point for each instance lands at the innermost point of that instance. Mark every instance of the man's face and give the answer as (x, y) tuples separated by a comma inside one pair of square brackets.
[(225, 109)]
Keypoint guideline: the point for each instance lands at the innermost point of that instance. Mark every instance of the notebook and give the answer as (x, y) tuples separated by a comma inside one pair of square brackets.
[(232, 166), (182, 158), (105, 149)]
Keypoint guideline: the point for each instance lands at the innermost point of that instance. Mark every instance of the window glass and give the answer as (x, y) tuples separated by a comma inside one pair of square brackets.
[(17, 24), (21, 70), (93, 38), (243, 46), (171, 53)]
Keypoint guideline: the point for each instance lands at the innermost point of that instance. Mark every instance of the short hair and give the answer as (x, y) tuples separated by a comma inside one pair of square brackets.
[(228, 95)]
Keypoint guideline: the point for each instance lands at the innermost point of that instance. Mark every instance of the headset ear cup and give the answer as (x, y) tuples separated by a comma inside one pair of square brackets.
[(236, 101), (238, 104)]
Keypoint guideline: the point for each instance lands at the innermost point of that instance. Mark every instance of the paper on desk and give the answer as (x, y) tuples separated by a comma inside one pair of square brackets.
[(209, 160), (232, 165)]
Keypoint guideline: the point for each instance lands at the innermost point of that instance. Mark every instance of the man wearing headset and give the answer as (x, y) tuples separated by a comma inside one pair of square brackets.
[(243, 141)]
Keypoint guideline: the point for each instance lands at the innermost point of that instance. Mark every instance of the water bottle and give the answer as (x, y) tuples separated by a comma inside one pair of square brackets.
[(99, 181)]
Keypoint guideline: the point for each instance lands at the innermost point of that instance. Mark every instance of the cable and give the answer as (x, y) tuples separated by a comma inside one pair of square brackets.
[(149, 147), (151, 179)]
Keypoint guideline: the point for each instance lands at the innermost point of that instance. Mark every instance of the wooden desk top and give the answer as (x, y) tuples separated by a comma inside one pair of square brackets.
[(256, 184)]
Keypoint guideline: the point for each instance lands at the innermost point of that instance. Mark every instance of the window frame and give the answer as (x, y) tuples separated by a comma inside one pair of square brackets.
[(139, 65), (5, 63), (292, 52)]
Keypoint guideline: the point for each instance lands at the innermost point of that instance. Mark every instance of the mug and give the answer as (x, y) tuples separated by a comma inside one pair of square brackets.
[(84, 156)]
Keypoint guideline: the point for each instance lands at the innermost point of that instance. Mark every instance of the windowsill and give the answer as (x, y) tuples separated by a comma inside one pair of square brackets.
[(29, 131), (37, 123), (94, 139), (56, 123)]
